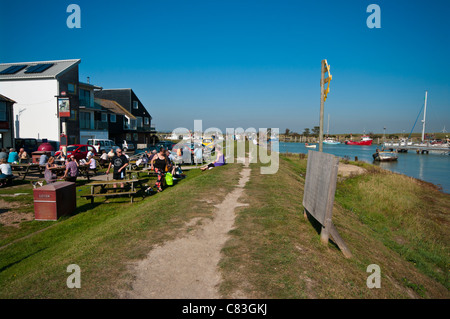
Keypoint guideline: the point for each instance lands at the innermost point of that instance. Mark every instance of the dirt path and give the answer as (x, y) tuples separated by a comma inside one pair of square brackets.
[(187, 267)]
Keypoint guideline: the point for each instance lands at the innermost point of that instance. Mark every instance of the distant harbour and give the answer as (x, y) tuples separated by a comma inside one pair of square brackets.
[(432, 168)]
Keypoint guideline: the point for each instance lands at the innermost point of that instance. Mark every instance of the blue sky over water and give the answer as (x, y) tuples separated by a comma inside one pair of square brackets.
[(251, 63)]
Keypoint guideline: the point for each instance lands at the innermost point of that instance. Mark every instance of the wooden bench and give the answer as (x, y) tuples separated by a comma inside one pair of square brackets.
[(7, 180), (138, 172), (105, 185), (92, 196)]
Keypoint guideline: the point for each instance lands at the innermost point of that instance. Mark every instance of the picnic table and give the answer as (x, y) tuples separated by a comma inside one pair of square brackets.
[(27, 169), (87, 172), (130, 172), (100, 188), (7, 180), (83, 171)]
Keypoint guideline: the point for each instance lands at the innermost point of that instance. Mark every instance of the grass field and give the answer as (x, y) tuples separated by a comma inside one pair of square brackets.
[(387, 219), (102, 239)]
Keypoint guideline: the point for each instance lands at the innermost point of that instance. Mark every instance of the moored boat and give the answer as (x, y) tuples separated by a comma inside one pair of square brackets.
[(385, 156), (330, 141), (310, 146), (365, 140)]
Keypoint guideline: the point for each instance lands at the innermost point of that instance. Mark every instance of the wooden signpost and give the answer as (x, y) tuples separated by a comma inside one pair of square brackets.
[(318, 197)]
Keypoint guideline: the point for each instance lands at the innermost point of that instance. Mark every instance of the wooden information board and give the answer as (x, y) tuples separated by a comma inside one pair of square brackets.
[(318, 197)]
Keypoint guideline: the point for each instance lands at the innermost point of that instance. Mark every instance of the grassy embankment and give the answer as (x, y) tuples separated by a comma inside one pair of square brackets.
[(387, 219), (102, 239)]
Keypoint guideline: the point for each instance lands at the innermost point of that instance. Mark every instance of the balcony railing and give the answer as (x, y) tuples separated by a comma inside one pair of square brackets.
[(100, 125), (85, 103)]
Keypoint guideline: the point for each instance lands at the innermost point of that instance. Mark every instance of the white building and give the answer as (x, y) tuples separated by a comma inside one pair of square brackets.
[(35, 87)]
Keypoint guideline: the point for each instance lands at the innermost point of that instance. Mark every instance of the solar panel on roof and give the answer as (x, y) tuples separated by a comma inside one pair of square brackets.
[(39, 68), (13, 69)]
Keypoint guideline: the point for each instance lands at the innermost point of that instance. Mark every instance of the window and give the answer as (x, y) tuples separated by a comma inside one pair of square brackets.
[(73, 115), (146, 120), (133, 124), (126, 123), (71, 88), (139, 121), (85, 120), (3, 116), (112, 118), (85, 98), (104, 117), (135, 105)]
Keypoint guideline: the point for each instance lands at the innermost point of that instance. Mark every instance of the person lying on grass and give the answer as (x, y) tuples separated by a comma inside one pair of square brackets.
[(220, 159), (119, 162)]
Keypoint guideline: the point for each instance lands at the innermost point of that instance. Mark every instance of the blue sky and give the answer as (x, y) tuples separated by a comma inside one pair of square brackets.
[(251, 63)]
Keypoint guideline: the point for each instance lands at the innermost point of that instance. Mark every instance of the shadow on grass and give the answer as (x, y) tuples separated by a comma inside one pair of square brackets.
[(318, 227), (20, 260)]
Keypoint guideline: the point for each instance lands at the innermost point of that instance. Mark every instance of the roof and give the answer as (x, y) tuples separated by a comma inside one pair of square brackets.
[(95, 87), (6, 99), (114, 107), (57, 68)]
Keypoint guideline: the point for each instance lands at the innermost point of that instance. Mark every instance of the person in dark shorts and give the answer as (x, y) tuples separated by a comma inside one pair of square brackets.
[(119, 162)]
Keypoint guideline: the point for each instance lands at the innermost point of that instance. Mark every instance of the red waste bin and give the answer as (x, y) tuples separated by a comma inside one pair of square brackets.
[(54, 200)]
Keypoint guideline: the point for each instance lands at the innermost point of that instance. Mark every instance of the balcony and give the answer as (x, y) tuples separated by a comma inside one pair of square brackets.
[(98, 126), (85, 103)]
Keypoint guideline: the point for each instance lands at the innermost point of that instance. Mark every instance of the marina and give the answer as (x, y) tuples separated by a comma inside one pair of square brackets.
[(432, 167)]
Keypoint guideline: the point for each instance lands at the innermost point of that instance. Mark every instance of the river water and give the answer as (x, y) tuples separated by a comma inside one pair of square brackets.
[(433, 168)]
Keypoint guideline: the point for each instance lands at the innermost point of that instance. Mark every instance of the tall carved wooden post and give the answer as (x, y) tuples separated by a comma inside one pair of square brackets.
[(323, 97)]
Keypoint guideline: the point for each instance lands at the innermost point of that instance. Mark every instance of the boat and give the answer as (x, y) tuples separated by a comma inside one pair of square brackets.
[(330, 141), (385, 156), (310, 146), (365, 140)]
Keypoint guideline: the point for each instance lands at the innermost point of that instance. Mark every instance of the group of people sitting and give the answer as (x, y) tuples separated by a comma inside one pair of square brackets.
[(14, 157), (72, 168), (8, 158)]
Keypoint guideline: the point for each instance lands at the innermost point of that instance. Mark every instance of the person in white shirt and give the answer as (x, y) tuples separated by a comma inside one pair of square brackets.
[(91, 162), (5, 170)]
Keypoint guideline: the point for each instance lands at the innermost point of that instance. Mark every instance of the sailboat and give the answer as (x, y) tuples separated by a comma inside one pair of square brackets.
[(329, 140)]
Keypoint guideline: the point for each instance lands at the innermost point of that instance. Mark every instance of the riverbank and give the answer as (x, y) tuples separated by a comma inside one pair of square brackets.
[(432, 168), (385, 218)]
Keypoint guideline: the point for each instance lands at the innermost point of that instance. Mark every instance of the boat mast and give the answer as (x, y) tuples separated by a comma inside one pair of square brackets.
[(328, 127), (424, 116)]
